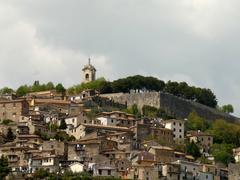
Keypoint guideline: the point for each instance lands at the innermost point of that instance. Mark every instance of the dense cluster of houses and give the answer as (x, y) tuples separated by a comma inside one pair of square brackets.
[(113, 144), (33, 132)]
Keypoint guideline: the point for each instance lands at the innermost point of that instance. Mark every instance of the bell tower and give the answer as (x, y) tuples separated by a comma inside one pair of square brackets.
[(89, 72)]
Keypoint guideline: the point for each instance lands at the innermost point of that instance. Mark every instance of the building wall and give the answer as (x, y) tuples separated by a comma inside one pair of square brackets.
[(13, 110), (234, 171), (77, 168), (175, 106), (177, 127), (107, 121), (59, 147)]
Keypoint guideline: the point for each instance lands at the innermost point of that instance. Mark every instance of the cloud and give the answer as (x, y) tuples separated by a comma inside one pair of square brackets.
[(25, 57)]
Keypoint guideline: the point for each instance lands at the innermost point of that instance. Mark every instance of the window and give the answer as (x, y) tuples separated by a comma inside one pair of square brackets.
[(100, 172), (109, 172), (174, 129), (112, 120), (73, 120), (174, 123), (180, 130), (180, 124), (180, 136)]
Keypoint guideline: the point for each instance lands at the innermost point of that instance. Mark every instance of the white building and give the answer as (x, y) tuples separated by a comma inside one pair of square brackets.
[(189, 170), (76, 167), (178, 128), (107, 121), (236, 154)]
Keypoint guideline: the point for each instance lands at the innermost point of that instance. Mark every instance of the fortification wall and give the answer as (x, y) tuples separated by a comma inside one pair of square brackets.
[(181, 108), (141, 98), (175, 106)]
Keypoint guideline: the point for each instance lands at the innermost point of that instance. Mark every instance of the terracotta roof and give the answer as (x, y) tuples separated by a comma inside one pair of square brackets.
[(197, 133), (117, 128), (28, 136), (12, 101), (51, 101), (174, 120), (162, 148)]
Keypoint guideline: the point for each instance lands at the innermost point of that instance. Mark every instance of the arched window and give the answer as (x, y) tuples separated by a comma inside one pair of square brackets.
[(87, 76)]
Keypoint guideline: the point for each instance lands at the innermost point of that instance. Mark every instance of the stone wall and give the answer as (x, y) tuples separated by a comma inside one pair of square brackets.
[(175, 106)]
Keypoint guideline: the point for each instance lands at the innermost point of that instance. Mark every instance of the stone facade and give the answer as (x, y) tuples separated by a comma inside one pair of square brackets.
[(13, 109), (175, 106)]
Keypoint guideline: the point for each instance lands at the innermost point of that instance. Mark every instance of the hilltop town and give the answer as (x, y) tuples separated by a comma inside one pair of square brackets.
[(142, 131)]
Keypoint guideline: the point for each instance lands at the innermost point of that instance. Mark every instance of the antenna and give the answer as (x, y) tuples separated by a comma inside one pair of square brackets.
[(89, 61)]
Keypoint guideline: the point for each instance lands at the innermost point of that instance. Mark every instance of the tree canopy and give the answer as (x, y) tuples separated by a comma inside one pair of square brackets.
[(4, 168), (138, 82), (227, 108), (36, 87)]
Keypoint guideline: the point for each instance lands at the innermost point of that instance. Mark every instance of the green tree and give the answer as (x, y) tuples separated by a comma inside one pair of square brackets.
[(193, 149), (227, 109), (22, 91), (4, 168), (63, 124), (225, 132), (195, 122), (50, 86), (41, 174), (6, 90), (10, 136), (134, 110), (223, 153), (60, 88)]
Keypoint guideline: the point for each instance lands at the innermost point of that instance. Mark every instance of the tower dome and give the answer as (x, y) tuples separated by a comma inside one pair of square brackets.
[(89, 72)]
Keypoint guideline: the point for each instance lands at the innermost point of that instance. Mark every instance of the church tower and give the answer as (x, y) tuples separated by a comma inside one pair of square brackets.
[(89, 72)]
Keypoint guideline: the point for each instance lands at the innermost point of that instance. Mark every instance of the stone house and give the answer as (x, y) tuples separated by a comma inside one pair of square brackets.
[(234, 171), (84, 129), (205, 176), (124, 139), (13, 109), (142, 172), (163, 135), (16, 156), (122, 166), (102, 166), (46, 162), (213, 169), (188, 170), (178, 128), (171, 171), (59, 148), (143, 158), (203, 139), (162, 154), (117, 155), (117, 118), (83, 150)]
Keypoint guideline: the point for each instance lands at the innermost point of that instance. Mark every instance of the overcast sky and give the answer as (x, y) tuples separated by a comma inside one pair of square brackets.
[(196, 41)]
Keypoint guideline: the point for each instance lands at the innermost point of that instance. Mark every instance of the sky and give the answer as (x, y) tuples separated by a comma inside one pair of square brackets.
[(196, 41)]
